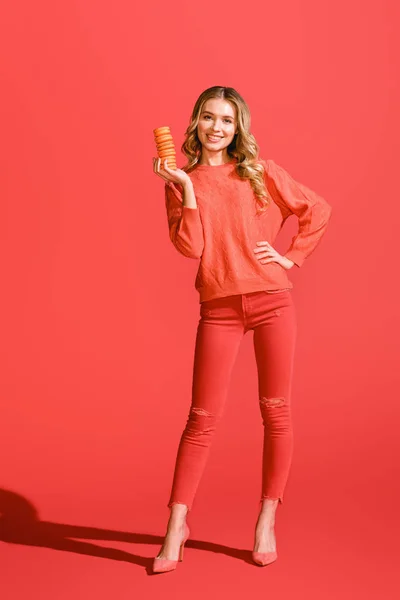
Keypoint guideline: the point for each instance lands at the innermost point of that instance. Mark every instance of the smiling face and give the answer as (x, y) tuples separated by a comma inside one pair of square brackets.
[(216, 127)]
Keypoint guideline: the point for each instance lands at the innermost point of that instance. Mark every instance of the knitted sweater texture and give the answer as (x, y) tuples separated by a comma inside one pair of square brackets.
[(224, 228)]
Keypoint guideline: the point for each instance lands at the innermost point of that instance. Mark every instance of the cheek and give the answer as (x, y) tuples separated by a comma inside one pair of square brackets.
[(201, 127)]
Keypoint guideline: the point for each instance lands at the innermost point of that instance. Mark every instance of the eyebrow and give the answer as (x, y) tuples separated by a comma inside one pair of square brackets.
[(209, 112)]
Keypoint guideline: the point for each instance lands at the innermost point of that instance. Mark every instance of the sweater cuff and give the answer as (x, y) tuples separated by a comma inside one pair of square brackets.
[(295, 256), (191, 214), (191, 228)]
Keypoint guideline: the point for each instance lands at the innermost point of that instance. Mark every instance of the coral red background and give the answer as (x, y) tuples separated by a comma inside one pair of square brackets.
[(99, 311)]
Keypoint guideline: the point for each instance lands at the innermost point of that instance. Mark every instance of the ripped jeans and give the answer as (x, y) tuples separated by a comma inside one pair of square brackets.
[(223, 322)]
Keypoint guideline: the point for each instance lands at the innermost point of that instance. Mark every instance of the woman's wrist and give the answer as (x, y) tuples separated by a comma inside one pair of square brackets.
[(188, 184), (189, 198), (288, 264)]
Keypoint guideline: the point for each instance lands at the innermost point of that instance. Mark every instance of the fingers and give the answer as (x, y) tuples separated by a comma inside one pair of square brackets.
[(266, 258), (156, 169), (262, 247), (158, 165), (265, 253), (270, 260)]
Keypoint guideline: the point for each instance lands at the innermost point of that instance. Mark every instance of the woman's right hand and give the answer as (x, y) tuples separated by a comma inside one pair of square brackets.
[(170, 175)]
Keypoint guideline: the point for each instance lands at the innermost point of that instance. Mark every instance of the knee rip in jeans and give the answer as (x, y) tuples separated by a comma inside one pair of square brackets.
[(271, 402), (200, 411), (199, 427)]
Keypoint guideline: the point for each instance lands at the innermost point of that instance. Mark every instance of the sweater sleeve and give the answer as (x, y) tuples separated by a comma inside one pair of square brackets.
[(312, 211), (185, 226)]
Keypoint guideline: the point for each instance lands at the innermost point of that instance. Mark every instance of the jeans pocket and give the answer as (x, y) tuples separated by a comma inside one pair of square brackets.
[(220, 308)]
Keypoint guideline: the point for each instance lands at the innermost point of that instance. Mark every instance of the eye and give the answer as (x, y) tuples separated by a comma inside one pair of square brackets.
[(226, 120)]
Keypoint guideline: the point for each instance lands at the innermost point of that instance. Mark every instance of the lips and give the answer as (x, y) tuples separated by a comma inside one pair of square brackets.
[(214, 138)]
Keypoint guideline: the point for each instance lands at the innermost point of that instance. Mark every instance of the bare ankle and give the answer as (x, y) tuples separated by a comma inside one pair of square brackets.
[(269, 503), (177, 516), (269, 506), (178, 510)]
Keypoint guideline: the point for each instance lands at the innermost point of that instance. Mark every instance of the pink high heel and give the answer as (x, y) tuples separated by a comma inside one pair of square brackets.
[(264, 558), (162, 565)]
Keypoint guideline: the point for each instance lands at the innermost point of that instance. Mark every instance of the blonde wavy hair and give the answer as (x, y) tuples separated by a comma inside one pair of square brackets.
[(243, 146)]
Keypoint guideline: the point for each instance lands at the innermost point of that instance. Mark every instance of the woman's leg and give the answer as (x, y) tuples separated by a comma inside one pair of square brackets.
[(219, 334), (274, 344)]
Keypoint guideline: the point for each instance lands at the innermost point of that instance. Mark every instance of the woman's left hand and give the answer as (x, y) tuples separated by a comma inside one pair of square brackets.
[(265, 253)]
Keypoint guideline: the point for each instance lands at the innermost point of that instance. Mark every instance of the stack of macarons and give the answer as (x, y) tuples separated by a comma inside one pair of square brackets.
[(165, 146)]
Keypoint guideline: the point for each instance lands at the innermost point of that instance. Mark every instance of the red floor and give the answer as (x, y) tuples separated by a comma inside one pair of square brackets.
[(325, 551)]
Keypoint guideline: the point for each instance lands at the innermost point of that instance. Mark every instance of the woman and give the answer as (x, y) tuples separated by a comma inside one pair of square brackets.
[(226, 207)]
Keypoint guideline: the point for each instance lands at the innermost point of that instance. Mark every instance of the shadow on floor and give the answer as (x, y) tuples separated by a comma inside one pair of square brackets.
[(20, 524)]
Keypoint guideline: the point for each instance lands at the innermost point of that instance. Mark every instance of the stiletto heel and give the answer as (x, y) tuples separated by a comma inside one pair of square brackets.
[(162, 565), (181, 551)]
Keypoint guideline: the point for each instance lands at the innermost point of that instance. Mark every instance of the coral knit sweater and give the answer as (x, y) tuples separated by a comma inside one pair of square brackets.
[(224, 228)]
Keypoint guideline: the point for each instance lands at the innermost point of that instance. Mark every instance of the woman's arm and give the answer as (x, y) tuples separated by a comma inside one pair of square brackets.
[(312, 211), (185, 227)]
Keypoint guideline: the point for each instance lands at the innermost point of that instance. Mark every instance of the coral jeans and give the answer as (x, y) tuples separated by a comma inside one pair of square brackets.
[(223, 322)]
